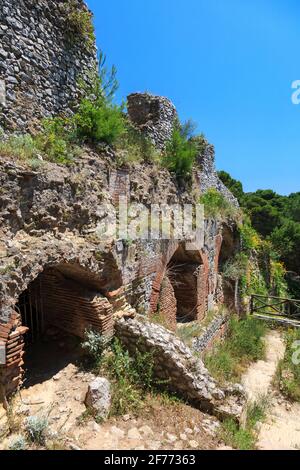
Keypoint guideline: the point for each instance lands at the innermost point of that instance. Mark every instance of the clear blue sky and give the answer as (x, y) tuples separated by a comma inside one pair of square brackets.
[(227, 64)]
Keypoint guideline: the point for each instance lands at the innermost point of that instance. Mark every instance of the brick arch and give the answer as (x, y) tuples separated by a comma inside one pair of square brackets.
[(162, 283), (101, 268), (70, 289)]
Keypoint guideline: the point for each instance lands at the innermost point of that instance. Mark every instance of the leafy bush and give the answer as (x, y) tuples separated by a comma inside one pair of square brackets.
[(56, 141), (18, 443), (181, 152), (95, 344), (36, 427), (243, 344), (134, 146), (131, 377), (217, 206), (250, 240), (22, 147), (99, 121)]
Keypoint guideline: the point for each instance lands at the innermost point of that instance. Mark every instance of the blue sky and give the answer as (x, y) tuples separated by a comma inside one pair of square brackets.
[(227, 64)]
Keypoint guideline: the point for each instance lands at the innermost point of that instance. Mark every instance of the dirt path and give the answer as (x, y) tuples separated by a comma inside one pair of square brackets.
[(258, 378), (281, 430)]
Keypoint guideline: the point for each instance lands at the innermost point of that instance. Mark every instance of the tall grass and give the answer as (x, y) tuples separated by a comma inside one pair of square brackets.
[(244, 438), (243, 345)]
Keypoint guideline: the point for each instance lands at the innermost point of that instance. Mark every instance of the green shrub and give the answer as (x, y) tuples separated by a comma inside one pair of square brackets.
[(36, 427), (246, 338), (180, 154), (216, 206), (95, 344), (243, 344), (237, 437), (99, 122), (134, 146), (22, 147), (50, 144), (221, 364), (18, 443), (56, 141), (131, 377)]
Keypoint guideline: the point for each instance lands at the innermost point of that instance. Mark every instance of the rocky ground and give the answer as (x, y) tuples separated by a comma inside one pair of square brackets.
[(57, 389)]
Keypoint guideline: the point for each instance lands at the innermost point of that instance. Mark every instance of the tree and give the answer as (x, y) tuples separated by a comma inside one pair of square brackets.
[(286, 240), (233, 185)]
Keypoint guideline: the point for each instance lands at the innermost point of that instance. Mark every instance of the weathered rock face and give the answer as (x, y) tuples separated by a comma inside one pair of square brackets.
[(40, 62), (153, 115), (175, 364)]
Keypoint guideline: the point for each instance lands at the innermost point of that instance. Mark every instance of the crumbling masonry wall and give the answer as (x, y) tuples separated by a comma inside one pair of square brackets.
[(153, 115), (175, 365), (40, 62)]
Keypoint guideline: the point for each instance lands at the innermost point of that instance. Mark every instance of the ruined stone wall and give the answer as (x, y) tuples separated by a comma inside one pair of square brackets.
[(168, 304), (41, 61), (176, 366), (153, 115), (208, 177), (216, 330), (51, 216)]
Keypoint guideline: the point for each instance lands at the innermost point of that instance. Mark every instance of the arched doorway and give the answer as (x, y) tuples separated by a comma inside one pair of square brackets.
[(183, 294), (68, 297), (57, 308)]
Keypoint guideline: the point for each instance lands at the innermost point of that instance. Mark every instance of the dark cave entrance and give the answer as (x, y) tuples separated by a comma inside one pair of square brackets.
[(58, 307), (184, 274)]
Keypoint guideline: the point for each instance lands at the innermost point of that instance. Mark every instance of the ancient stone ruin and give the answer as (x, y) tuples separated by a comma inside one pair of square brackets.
[(55, 268), (40, 64)]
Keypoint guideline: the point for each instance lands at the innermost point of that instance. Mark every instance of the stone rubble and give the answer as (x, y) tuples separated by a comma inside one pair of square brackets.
[(98, 397)]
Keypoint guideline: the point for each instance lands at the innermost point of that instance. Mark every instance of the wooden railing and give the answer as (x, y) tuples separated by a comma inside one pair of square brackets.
[(275, 306)]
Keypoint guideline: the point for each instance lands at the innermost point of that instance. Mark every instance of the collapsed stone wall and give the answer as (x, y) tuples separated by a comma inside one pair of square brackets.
[(40, 62), (175, 365)]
